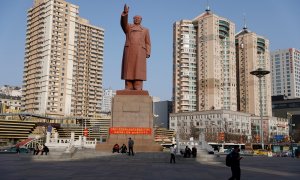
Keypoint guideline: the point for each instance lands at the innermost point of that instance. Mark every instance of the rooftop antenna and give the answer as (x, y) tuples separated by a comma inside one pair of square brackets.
[(207, 6), (245, 25)]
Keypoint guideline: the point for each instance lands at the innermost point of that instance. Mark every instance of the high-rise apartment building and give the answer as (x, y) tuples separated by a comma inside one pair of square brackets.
[(204, 66), (106, 101), (252, 52), (63, 61), (286, 73)]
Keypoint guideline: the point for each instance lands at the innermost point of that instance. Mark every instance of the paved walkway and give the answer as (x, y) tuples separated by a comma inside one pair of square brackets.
[(146, 166)]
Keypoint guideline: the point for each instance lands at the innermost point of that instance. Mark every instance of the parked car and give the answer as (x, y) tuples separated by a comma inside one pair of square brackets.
[(211, 152), (260, 152), (227, 151), (286, 154), (282, 154), (14, 150)]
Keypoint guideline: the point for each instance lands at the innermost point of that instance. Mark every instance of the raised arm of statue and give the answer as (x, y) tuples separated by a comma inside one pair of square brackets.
[(124, 18), (126, 9)]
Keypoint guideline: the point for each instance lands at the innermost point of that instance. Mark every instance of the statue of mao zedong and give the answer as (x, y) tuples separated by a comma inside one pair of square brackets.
[(137, 48)]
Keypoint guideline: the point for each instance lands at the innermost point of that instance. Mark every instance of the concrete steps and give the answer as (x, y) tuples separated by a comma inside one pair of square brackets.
[(151, 147), (55, 155), (148, 157)]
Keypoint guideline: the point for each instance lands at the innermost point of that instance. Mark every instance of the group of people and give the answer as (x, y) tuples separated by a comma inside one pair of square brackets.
[(188, 152), (234, 154), (41, 148), (117, 148), (123, 149)]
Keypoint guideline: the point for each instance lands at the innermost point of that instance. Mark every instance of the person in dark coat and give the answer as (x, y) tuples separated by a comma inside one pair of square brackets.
[(194, 152), (123, 149), (137, 48), (45, 150), (187, 152), (235, 164), (130, 146)]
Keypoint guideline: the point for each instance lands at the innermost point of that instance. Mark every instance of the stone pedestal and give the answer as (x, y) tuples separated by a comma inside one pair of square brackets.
[(132, 110), (132, 116)]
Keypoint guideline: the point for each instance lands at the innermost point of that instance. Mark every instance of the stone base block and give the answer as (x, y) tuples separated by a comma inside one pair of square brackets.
[(132, 111)]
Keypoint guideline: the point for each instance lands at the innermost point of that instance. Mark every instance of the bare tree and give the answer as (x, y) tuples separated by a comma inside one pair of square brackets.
[(181, 131), (194, 131)]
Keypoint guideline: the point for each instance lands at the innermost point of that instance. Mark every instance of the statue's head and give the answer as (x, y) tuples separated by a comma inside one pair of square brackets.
[(137, 19)]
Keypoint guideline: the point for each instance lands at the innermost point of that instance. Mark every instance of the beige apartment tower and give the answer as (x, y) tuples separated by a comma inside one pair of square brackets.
[(63, 61), (204, 67), (252, 53), (285, 65)]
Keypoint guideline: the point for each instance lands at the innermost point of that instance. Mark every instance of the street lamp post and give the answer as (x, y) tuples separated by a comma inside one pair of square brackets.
[(225, 132), (291, 138), (155, 126), (291, 125), (260, 73)]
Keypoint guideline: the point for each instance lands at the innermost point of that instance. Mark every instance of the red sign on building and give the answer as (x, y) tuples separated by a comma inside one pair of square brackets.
[(221, 136), (128, 130), (86, 132)]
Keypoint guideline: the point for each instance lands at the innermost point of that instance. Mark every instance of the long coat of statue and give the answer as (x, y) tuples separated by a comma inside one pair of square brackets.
[(137, 48)]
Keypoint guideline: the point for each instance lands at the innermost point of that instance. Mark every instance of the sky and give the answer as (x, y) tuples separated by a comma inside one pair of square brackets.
[(276, 20)]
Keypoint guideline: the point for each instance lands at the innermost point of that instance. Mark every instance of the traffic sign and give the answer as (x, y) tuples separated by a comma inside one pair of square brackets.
[(279, 137)]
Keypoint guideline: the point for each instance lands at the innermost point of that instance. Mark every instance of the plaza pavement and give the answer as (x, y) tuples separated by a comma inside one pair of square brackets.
[(148, 166)]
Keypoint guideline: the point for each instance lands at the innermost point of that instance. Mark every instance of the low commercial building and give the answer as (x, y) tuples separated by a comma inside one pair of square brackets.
[(10, 104), (218, 125), (227, 126), (290, 109), (162, 110)]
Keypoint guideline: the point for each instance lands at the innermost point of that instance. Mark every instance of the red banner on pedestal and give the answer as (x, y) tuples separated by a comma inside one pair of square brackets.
[(128, 130)]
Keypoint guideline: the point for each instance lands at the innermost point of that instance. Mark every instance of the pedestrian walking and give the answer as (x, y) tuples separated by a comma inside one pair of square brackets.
[(235, 164), (18, 149), (130, 146), (194, 152), (172, 151)]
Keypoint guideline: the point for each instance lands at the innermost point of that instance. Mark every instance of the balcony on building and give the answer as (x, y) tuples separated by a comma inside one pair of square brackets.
[(223, 29), (185, 103), (260, 45)]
